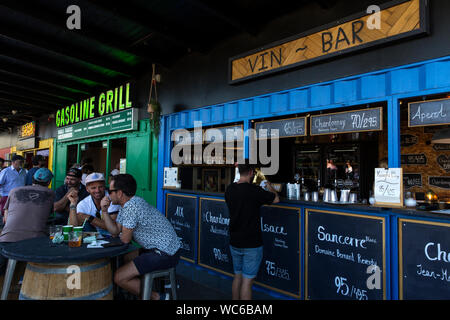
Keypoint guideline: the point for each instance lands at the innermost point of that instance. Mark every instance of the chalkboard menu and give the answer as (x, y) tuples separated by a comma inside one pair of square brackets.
[(184, 137), (411, 180), (214, 243), (444, 162), (441, 147), (280, 267), (340, 250), (293, 127), (408, 140), (230, 133), (181, 212), (414, 159), (424, 266), (349, 121), (439, 182), (425, 113)]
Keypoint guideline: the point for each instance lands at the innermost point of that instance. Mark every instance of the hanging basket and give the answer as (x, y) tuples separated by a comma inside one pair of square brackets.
[(154, 107)]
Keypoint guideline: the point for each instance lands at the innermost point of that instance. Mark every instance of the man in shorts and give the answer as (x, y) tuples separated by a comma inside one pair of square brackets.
[(244, 200), (145, 224)]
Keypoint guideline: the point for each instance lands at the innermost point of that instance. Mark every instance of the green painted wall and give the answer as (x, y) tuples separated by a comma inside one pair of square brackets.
[(141, 154)]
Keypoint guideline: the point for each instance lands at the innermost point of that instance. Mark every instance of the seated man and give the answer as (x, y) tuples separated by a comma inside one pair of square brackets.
[(150, 228), (72, 186), (89, 208), (27, 210)]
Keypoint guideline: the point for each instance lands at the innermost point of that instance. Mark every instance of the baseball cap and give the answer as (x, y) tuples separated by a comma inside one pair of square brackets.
[(43, 175), (74, 172), (17, 157), (93, 177)]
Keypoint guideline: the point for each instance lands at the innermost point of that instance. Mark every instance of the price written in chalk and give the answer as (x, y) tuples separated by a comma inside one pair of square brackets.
[(348, 290)]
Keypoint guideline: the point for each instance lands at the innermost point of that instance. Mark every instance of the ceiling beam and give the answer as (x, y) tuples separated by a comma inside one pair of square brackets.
[(147, 20), (10, 66), (7, 88), (55, 64), (27, 104), (69, 47), (56, 19)]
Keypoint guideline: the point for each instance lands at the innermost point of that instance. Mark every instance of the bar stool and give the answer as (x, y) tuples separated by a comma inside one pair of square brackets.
[(147, 282)]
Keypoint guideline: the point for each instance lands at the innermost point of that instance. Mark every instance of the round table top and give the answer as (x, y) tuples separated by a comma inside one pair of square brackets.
[(42, 250)]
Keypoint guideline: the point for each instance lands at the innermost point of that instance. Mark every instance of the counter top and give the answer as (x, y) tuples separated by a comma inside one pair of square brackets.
[(357, 206)]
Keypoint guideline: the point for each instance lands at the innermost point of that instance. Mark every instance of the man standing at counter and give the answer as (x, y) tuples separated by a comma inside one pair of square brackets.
[(244, 200)]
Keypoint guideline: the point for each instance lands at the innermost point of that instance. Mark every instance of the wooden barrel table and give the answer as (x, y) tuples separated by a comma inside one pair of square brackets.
[(63, 282), (59, 272)]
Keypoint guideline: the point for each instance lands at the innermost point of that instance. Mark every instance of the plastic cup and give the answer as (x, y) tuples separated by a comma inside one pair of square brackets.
[(66, 230), (78, 230), (75, 239)]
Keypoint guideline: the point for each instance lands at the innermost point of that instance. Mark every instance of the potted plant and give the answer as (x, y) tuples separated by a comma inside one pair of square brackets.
[(154, 109)]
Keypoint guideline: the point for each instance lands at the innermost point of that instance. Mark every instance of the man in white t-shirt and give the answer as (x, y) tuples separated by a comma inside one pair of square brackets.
[(89, 208)]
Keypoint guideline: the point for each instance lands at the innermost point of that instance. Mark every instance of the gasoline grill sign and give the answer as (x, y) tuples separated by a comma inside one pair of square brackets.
[(396, 21)]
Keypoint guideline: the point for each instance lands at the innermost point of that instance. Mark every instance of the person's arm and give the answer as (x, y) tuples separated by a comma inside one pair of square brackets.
[(61, 204), (127, 235), (271, 189), (108, 220), (3, 176), (5, 210), (73, 200)]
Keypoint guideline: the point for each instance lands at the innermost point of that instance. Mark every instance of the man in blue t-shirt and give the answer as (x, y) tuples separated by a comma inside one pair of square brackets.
[(38, 162)]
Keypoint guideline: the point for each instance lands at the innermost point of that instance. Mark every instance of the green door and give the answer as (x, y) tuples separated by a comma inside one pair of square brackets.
[(60, 164)]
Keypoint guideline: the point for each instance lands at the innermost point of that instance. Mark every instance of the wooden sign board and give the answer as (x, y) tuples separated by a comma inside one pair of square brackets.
[(388, 189), (399, 19), (347, 121)]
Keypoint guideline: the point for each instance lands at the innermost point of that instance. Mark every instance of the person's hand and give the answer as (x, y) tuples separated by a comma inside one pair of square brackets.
[(104, 204), (73, 198)]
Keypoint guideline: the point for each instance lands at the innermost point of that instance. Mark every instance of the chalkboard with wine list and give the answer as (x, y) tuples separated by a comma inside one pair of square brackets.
[(214, 236), (344, 262), (424, 260), (280, 267), (181, 212)]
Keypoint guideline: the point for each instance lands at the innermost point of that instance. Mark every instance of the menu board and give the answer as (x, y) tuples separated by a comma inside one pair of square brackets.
[(349, 121), (425, 113), (230, 133), (424, 269), (280, 267), (411, 180), (294, 127), (181, 212), (184, 137), (214, 239), (388, 188), (414, 159), (170, 177), (345, 256), (439, 182), (126, 120)]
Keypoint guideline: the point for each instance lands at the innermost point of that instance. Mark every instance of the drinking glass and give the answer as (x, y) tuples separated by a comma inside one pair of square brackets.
[(75, 239)]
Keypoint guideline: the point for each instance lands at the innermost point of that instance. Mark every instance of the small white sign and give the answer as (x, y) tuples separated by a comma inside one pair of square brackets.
[(123, 166), (388, 186), (170, 177)]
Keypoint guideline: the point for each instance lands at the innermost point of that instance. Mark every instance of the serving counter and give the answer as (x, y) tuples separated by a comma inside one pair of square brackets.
[(317, 250)]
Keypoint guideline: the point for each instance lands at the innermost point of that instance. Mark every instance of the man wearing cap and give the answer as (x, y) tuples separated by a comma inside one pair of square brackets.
[(38, 162), (27, 210), (89, 208), (10, 178), (72, 186)]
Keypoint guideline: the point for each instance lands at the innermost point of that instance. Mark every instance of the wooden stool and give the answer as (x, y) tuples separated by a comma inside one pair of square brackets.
[(147, 282)]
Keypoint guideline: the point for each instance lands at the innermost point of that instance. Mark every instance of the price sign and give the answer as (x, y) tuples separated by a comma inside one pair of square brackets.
[(389, 186)]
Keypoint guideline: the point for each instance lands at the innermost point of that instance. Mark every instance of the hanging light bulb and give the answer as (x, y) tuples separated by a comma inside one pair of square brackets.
[(5, 119), (14, 112)]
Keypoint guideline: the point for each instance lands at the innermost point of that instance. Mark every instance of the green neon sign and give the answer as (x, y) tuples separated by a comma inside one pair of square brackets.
[(107, 102)]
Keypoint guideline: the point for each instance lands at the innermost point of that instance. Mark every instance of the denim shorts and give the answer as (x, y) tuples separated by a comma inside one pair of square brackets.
[(246, 261)]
